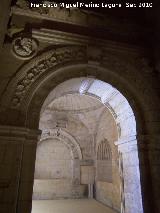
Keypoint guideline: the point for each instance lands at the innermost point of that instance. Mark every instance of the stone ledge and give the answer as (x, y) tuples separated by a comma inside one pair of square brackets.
[(8, 132)]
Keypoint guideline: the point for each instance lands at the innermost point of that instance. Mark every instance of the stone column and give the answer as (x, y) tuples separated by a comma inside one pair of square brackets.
[(17, 162), (131, 176), (90, 190)]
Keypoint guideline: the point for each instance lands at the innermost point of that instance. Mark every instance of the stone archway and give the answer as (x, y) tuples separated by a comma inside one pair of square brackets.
[(49, 173), (126, 126), (27, 91)]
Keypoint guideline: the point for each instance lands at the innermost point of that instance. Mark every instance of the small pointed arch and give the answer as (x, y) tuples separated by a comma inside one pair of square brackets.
[(104, 151)]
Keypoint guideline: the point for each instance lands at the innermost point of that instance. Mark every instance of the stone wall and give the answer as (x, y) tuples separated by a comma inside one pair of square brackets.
[(53, 170), (108, 186), (93, 129), (59, 172), (129, 68)]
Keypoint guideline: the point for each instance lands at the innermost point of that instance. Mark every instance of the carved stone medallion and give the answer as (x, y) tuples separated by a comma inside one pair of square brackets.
[(24, 48)]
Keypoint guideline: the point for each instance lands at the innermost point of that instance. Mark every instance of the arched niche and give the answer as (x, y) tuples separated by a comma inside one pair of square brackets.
[(64, 137), (72, 144), (57, 164)]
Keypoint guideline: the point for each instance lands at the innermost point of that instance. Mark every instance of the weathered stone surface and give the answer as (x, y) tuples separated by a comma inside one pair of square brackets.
[(81, 52)]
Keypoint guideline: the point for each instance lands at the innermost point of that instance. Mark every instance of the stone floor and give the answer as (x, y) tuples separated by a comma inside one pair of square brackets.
[(69, 206)]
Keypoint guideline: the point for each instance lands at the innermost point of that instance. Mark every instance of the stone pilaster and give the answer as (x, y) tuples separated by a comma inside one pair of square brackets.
[(149, 156), (17, 161), (130, 175), (4, 18)]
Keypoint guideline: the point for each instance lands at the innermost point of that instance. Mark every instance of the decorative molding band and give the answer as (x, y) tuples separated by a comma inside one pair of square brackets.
[(22, 86), (58, 37), (13, 132)]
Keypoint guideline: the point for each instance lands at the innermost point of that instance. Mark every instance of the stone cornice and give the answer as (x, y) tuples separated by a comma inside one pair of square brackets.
[(87, 20), (58, 38), (77, 17)]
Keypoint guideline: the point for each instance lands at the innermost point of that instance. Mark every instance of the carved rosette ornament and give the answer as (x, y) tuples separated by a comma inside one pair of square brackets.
[(24, 47)]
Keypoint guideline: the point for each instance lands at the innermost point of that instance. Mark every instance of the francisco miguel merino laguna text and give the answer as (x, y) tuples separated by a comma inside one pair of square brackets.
[(77, 5)]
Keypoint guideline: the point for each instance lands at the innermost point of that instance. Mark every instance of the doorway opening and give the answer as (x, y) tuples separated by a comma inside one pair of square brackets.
[(88, 148)]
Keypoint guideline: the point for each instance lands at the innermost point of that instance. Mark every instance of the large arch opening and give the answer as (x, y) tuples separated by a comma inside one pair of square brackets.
[(94, 123)]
